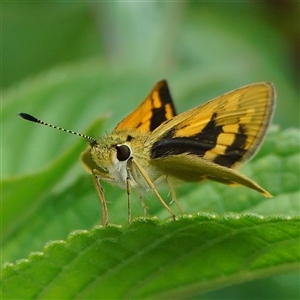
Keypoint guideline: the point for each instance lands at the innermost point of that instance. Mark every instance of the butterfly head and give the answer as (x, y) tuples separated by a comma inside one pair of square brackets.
[(110, 157)]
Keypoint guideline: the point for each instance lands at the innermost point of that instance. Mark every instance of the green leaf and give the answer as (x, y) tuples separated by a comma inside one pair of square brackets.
[(150, 259)]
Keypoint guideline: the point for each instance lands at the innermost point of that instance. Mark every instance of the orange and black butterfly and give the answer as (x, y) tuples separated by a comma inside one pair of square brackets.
[(205, 143)]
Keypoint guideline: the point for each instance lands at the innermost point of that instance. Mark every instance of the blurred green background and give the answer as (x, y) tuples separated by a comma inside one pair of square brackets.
[(226, 44), (203, 50)]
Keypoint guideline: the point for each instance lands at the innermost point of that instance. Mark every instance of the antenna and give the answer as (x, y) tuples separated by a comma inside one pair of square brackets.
[(33, 119)]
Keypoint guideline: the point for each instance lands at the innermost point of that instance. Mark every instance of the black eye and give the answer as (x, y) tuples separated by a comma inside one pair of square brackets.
[(123, 152)]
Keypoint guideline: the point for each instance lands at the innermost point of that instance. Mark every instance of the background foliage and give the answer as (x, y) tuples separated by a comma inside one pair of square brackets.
[(72, 63)]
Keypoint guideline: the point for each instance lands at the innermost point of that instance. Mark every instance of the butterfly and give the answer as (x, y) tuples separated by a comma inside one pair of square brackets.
[(154, 144)]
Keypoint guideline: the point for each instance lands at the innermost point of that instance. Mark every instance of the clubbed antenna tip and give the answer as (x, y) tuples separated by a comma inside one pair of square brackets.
[(28, 117), (34, 119)]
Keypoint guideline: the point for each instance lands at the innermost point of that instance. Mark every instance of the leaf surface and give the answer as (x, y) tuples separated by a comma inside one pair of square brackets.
[(162, 260)]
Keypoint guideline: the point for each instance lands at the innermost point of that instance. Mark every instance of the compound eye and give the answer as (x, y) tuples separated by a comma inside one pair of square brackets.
[(123, 152)]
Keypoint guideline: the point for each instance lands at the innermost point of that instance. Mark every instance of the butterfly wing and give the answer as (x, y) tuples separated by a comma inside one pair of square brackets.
[(212, 138), (152, 112)]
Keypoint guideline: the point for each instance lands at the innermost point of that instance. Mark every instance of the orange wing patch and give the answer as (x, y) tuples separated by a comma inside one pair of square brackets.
[(226, 130), (157, 108)]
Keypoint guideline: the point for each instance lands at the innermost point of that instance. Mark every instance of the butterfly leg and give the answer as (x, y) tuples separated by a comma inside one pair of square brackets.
[(159, 179), (128, 189), (152, 186), (144, 206), (172, 191), (100, 193), (173, 194)]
